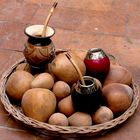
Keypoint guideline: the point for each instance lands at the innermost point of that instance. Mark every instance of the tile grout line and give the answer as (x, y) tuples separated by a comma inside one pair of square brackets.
[(127, 21), (127, 37)]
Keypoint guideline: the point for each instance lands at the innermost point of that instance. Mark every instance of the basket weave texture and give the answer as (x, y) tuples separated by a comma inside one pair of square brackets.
[(69, 131)]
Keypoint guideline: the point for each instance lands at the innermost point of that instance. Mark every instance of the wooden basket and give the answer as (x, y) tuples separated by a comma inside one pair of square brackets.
[(55, 130)]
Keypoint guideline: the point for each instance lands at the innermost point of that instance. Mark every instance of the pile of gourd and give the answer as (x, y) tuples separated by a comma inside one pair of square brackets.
[(46, 96)]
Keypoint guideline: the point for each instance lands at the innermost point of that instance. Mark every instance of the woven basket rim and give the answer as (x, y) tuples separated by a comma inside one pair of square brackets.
[(56, 130)]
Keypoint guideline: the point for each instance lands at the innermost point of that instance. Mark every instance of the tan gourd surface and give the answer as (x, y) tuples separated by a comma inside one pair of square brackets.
[(39, 104)]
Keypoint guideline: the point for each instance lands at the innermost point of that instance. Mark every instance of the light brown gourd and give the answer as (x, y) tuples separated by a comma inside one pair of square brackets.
[(39, 103), (65, 106), (81, 54), (58, 119), (43, 80), (80, 119), (18, 83), (102, 115), (63, 69), (118, 74), (118, 97), (24, 66), (61, 89)]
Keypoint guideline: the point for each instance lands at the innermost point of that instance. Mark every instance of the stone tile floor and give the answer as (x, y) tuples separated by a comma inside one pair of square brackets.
[(113, 25)]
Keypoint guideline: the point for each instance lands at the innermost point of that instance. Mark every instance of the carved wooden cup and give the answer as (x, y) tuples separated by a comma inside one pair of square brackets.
[(39, 50)]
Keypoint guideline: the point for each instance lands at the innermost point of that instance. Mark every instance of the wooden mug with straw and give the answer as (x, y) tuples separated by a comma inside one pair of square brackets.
[(39, 48)]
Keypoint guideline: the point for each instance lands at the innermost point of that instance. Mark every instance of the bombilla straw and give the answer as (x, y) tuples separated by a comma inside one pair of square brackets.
[(48, 19), (76, 67)]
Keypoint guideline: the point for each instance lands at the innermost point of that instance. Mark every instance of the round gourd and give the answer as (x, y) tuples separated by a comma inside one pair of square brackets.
[(58, 119), (61, 89), (24, 66), (64, 70), (43, 80), (118, 97), (65, 106), (118, 74), (39, 103), (18, 82), (102, 115), (80, 119), (80, 53)]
